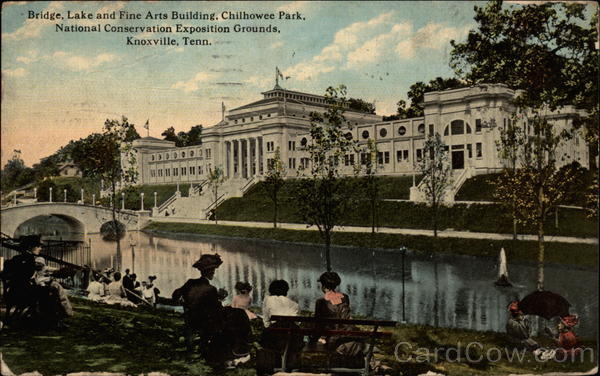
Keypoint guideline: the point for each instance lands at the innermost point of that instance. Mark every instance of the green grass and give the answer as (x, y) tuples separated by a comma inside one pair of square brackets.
[(256, 205), (135, 341), (584, 255), (163, 192), (477, 188)]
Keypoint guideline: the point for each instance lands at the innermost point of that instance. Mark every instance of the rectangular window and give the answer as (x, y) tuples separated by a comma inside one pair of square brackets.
[(380, 157), (183, 171), (478, 150), (364, 157), (292, 145), (405, 155), (386, 157), (167, 172), (207, 153), (399, 155), (175, 171), (469, 150), (419, 154), (160, 172), (431, 129), (477, 125), (192, 170)]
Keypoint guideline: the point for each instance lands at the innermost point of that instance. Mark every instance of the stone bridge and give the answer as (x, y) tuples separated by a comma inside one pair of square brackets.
[(82, 219)]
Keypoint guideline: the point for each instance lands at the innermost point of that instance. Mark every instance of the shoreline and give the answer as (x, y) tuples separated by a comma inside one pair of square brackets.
[(515, 257)]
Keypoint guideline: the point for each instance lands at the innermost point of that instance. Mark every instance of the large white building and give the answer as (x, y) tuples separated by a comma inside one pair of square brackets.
[(469, 120)]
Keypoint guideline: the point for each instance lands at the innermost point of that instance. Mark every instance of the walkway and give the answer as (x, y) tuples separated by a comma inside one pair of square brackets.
[(386, 230)]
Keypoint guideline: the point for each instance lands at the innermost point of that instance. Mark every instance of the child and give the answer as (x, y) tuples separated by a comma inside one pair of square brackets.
[(243, 299)]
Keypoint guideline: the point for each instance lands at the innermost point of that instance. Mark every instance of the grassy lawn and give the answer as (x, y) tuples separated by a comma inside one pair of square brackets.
[(257, 206), (135, 341), (564, 253)]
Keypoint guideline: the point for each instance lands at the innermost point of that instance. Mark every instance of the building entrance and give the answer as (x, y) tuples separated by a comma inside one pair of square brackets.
[(458, 159)]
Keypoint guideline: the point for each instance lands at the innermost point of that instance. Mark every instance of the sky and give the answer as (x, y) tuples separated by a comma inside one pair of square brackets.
[(58, 86)]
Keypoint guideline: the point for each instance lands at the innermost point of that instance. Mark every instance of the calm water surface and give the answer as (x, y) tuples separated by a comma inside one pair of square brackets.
[(447, 291)]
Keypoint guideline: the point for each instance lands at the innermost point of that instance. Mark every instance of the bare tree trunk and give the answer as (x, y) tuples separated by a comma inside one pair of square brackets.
[(514, 217), (116, 228), (328, 249), (540, 271), (275, 211), (435, 213)]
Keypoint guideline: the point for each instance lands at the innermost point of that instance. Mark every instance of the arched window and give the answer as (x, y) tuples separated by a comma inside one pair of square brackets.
[(383, 132), (152, 156), (348, 136), (166, 155), (191, 153), (457, 127), (304, 141), (402, 130), (421, 128), (159, 157), (446, 131), (175, 155), (183, 154), (365, 134)]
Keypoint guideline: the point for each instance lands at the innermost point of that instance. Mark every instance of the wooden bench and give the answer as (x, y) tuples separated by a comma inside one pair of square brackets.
[(319, 329)]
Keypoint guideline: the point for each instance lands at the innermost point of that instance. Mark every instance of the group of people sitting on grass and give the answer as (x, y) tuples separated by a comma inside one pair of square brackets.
[(31, 289), (518, 328), (224, 331), (113, 288)]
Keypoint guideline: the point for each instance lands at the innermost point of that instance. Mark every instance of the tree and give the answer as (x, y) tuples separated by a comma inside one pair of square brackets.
[(548, 52), (216, 178), (190, 138), (109, 157), (322, 195), (436, 170), (507, 186), (169, 135), (274, 181), (15, 174), (361, 105), (416, 94), (371, 186)]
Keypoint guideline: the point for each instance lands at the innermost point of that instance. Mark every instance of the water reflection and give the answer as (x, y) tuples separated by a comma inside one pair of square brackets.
[(447, 291)]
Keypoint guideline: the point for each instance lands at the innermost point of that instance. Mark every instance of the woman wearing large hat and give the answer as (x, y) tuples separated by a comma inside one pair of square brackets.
[(223, 331)]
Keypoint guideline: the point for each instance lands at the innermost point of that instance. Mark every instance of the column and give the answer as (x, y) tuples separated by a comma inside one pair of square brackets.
[(239, 157), (230, 160), (256, 154), (248, 159), (260, 156)]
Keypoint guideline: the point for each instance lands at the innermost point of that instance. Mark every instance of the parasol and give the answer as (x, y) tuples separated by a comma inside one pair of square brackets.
[(546, 304)]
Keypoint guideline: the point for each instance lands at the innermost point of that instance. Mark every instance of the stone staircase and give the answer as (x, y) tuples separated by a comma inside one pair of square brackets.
[(200, 199), (457, 179)]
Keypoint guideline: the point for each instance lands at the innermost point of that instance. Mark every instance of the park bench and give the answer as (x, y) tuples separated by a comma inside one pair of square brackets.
[(314, 326)]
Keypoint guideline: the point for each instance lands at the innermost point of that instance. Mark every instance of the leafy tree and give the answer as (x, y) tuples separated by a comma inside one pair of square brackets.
[(436, 170), (548, 52), (274, 181), (216, 178), (170, 135), (109, 157), (507, 191), (361, 105), (416, 94), (15, 174), (190, 138), (322, 195)]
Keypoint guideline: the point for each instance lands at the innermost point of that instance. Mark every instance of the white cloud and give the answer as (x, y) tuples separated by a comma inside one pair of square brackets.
[(375, 48), (276, 45), (295, 6), (32, 28), (344, 40), (31, 57), (82, 63), (432, 36), (17, 72), (193, 84), (256, 80)]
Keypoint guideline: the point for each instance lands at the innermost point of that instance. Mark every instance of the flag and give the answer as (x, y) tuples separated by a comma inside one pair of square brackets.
[(223, 106), (147, 125)]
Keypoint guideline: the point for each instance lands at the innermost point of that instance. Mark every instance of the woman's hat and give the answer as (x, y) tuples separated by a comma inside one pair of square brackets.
[(513, 307), (570, 320), (30, 241), (207, 262)]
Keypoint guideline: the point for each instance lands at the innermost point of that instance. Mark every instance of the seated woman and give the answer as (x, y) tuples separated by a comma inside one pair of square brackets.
[(96, 289), (243, 299), (567, 340), (277, 303), (116, 292), (518, 327), (336, 305)]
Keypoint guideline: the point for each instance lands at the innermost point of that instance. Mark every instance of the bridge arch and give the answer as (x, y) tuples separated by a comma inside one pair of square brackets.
[(85, 219), (52, 227)]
